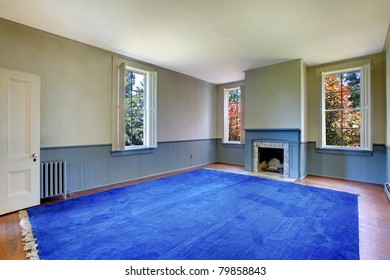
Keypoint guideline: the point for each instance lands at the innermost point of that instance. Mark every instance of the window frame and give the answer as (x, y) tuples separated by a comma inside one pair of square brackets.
[(118, 106), (226, 115), (145, 124), (365, 104)]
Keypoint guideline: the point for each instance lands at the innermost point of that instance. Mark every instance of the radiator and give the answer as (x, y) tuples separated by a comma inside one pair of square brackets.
[(53, 178), (387, 190)]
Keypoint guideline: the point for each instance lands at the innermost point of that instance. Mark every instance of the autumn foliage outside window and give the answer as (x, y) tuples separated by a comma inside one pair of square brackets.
[(234, 114), (342, 109)]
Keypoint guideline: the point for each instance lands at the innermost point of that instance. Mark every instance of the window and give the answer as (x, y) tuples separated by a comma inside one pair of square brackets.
[(346, 111), (134, 106), (232, 113)]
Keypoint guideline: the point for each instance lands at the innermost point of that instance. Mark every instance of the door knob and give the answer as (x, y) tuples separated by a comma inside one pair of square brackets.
[(34, 156)]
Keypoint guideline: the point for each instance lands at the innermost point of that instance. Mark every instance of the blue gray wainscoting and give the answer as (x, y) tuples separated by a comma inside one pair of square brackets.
[(95, 166), (364, 166), (231, 153)]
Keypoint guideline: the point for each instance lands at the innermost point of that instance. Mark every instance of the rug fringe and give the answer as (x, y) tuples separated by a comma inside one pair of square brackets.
[(29, 242)]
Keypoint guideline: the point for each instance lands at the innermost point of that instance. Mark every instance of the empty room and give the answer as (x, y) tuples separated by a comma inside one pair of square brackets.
[(194, 130)]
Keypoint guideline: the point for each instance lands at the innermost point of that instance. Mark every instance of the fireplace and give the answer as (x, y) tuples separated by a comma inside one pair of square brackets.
[(271, 157), (288, 139)]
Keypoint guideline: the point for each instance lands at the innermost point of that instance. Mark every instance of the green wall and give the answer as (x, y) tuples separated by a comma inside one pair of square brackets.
[(378, 95), (76, 83), (76, 100), (273, 96)]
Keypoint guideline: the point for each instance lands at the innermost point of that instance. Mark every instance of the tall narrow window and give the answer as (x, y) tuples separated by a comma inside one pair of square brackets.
[(134, 108), (346, 109), (232, 122)]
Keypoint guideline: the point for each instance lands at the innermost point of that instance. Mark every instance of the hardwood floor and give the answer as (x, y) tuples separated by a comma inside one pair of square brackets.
[(374, 214)]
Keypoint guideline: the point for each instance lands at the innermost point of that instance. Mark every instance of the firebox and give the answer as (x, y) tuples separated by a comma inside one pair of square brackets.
[(271, 159)]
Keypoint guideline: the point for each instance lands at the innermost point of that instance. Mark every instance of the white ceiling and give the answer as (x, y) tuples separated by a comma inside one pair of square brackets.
[(214, 40)]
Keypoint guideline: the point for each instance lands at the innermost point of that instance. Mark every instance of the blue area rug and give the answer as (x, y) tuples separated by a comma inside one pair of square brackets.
[(202, 214)]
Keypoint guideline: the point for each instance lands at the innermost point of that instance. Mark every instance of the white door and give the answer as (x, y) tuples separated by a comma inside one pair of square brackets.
[(19, 140)]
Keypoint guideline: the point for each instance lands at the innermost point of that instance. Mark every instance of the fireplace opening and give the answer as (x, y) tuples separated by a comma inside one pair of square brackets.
[(271, 160), (271, 156)]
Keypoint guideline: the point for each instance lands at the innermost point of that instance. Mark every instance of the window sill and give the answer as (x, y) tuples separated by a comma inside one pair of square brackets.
[(344, 152), (132, 152), (233, 144)]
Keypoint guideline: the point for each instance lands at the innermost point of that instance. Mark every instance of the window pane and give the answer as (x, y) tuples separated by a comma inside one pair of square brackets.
[(333, 100), (333, 137), (343, 128), (333, 122), (333, 93), (342, 109), (333, 119), (351, 137), (342, 90), (351, 119), (351, 89), (333, 83), (135, 109), (234, 108)]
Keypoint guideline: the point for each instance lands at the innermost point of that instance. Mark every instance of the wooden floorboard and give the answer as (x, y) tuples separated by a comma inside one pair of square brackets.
[(374, 214)]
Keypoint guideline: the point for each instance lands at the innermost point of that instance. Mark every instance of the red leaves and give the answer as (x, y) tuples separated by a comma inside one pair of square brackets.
[(342, 118), (234, 121)]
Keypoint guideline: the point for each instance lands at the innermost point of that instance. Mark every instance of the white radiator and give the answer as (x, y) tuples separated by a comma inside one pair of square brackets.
[(53, 178), (387, 190)]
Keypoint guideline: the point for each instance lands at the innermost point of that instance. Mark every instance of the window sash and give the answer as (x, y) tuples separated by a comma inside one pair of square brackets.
[(226, 115), (135, 113), (119, 110), (365, 109)]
